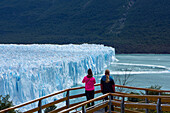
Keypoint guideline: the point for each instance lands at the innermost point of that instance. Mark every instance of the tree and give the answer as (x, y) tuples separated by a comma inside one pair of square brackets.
[(124, 79), (157, 87), (5, 103)]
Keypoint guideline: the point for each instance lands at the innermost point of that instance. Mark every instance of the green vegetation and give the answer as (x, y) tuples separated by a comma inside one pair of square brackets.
[(157, 87), (6, 103), (131, 26), (134, 99), (51, 108)]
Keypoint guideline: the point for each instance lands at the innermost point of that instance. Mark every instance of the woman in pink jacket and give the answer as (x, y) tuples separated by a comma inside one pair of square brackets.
[(89, 81)]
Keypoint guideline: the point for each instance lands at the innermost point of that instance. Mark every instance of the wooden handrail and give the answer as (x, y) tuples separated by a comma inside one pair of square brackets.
[(164, 99), (30, 102), (129, 87), (165, 107), (65, 107), (80, 95), (97, 108), (127, 110), (46, 105), (140, 96), (84, 103), (146, 89), (127, 104)]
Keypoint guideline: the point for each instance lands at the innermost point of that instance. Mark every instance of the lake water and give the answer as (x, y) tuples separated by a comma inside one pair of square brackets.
[(144, 70)]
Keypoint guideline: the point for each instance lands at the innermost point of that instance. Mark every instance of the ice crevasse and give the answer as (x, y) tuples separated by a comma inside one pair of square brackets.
[(32, 71)]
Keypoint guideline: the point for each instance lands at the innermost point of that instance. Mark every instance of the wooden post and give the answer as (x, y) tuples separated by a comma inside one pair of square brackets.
[(39, 105), (110, 104), (67, 101), (158, 107), (122, 105), (83, 109), (146, 101)]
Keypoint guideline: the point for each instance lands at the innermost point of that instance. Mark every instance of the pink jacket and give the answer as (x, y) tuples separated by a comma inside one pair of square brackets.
[(89, 83)]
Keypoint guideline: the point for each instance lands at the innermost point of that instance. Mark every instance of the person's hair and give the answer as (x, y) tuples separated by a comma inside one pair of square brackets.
[(90, 72), (107, 73)]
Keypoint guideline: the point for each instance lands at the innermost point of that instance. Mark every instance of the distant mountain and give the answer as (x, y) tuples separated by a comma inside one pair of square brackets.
[(131, 26)]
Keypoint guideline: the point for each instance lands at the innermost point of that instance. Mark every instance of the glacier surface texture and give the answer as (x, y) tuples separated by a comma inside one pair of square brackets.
[(32, 71)]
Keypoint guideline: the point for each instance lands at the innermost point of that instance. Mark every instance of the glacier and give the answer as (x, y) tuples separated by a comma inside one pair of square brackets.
[(28, 72)]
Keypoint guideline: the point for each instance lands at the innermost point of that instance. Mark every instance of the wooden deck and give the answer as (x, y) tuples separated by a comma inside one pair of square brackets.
[(100, 111)]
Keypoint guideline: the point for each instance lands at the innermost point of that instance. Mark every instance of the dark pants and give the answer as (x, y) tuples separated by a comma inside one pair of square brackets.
[(106, 98), (89, 95)]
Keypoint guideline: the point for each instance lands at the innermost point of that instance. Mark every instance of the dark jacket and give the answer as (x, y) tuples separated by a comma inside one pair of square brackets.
[(107, 87)]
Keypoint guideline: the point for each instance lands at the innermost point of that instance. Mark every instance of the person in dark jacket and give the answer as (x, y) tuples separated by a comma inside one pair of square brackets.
[(107, 85)]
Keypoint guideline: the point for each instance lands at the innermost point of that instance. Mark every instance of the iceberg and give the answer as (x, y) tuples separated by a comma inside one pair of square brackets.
[(28, 72)]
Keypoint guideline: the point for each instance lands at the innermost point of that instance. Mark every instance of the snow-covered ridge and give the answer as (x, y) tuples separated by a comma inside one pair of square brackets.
[(31, 71)]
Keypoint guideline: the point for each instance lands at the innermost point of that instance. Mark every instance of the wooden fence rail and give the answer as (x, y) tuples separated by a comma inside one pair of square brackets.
[(122, 104)]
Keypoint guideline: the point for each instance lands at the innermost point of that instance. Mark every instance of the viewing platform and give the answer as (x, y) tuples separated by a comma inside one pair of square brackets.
[(121, 102)]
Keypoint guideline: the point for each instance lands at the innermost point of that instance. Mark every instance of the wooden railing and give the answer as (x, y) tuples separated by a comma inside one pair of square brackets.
[(151, 101)]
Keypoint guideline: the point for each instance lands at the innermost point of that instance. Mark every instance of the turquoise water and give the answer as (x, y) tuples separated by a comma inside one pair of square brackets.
[(144, 70)]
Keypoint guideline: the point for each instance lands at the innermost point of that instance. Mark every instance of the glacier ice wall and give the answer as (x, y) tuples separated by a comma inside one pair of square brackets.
[(31, 71)]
